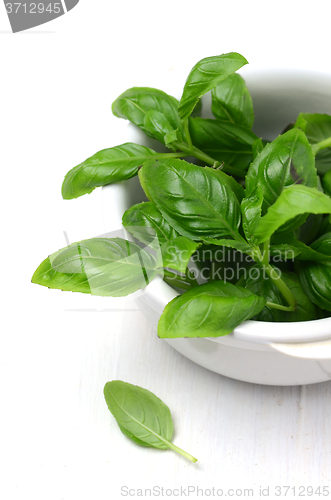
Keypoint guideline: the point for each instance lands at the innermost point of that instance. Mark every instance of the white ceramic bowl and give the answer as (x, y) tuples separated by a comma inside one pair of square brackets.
[(257, 352)]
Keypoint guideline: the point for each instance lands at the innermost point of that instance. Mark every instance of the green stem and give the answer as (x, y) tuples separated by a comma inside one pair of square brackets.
[(170, 155), (266, 246), (208, 160), (321, 145), (279, 307), (282, 287), (182, 452), (187, 134)]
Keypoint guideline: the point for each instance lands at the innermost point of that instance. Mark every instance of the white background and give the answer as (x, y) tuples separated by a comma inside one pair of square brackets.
[(57, 438)]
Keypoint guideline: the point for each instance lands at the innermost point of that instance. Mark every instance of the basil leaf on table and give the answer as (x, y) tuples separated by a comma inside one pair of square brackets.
[(209, 310), (146, 223), (197, 202), (285, 161), (262, 285), (223, 141), (317, 128), (142, 416), (99, 266), (231, 101), (315, 278), (293, 201), (176, 253), (204, 76), (136, 102), (105, 167)]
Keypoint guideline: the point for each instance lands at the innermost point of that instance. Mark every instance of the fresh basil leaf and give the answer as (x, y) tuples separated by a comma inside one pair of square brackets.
[(99, 266), (177, 253), (204, 76), (251, 208), (105, 167), (284, 252), (209, 310), (310, 229), (315, 278), (146, 223), (260, 284), (317, 128), (241, 246), (323, 244), (141, 416), (326, 182), (298, 250), (157, 124), (198, 109), (223, 141), (197, 202), (293, 201), (136, 102), (231, 101), (257, 147), (285, 161)]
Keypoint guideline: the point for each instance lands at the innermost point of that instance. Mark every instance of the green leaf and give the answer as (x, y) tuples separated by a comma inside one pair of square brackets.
[(326, 182), (323, 244), (285, 161), (298, 250), (209, 310), (293, 201), (223, 141), (315, 278), (251, 208), (136, 102), (108, 166), (204, 76), (176, 253), (317, 128), (241, 246), (148, 225), (197, 202), (231, 101), (141, 416), (99, 266), (159, 127), (257, 147), (260, 284)]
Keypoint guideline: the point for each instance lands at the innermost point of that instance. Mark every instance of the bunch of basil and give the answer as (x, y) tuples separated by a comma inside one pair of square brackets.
[(269, 202)]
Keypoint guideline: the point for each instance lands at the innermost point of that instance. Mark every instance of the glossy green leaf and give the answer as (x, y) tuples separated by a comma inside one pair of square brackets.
[(176, 253), (317, 128), (326, 182), (293, 201), (197, 202), (148, 225), (315, 278), (223, 141), (209, 310), (141, 416), (241, 246), (136, 102), (323, 244), (159, 127), (260, 284), (231, 101), (300, 250), (204, 76), (285, 161), (251, 208), (105, 167), (99, 266)]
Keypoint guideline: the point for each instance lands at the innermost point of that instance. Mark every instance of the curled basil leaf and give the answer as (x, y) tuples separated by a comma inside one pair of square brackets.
[(204, 76)]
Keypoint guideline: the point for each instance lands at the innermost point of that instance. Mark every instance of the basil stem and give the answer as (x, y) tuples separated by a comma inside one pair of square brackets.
[(321, 145)]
